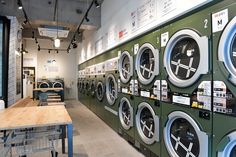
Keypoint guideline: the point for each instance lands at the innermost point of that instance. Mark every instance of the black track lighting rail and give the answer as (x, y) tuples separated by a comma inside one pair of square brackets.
[(85, 17), (27, 21)]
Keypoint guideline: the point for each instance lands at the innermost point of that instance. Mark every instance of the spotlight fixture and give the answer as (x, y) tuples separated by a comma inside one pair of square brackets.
[(36, 41), (38, 48), (19, 5), (97, 5), (74, 45), (74, 40), (32, 34), (57, 51), (25, 22), (3, 2), (86, 18), (49, 51)]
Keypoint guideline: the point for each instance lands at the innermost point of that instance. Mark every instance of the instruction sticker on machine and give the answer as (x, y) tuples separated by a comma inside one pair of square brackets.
[(219, 20), (164, 39), (157, 89)]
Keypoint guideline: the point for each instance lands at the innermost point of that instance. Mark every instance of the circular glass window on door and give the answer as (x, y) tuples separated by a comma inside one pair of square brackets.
[(186, 57), (92, 88), (87, 88), (100, 91), (229, 147), (147, 63), (125, 66), (83, 87), (183, 137), (147, 123), (44, 85), (57, 85), (111, 89), (126, 114), (227, 49)]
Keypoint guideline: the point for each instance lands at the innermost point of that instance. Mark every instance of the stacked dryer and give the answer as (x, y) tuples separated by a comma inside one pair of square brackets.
[(92, 88), (100, 89), (111, 107), (87, 88), (186, 87), (147, 107), (126, 92), (224, 76)]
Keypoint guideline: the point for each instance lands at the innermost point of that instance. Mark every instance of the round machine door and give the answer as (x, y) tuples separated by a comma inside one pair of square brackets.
[(229, 147), (126, 113), (227, 49), (87, 88), (57, 85), (125, 67), (83, 87), (100, 91), (183, 136), (147, 63), (92, 88), (147, 123), (111, 89), (44, 85), (186, 57)]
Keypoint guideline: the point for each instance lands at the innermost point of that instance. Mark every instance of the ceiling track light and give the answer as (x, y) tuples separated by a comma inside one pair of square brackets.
[(49, 51), (86, 18), (57, 51), (81, 22), (97, 5), (36, 41), (19, 5), (25, 22), (32, 34), (38, 48)]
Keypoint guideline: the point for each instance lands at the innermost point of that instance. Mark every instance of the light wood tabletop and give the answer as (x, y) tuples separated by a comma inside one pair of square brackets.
[(26, 117)]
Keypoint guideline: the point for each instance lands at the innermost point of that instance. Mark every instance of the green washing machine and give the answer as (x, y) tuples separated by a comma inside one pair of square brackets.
[(87, 83), (147, 107), (92, 88), (79, 84), (81, 92), (224, 79), (111, 107), (100, 89), (126, 92), (186, 87)]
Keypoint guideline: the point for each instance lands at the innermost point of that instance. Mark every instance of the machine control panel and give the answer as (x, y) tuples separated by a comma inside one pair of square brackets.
[(224, 100)]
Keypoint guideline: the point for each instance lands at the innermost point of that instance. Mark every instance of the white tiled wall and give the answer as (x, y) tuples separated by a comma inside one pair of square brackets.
[(13, 45)]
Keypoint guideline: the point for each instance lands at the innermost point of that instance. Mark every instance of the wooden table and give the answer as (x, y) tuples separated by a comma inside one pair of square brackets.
[(29, 117)]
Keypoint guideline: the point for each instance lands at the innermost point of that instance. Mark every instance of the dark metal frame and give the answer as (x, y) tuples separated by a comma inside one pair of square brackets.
[(5, 58)]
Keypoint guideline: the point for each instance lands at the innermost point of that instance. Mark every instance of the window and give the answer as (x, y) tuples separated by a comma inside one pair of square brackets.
[(4, 48)]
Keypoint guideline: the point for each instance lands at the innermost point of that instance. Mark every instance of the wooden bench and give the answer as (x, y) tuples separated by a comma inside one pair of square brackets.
[(56, 103)]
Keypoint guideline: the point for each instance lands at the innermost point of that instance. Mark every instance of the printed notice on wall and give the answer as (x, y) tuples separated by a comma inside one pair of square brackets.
[(167, 6), (219, 20), (143, 15), (123, 32), (98, 45), (134, 21), (112, 35)]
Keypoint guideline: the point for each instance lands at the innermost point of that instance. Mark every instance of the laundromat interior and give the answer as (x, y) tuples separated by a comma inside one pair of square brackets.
[(117, 78)]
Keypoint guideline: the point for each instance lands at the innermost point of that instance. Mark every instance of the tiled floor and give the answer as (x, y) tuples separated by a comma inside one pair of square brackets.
[(93, 138)]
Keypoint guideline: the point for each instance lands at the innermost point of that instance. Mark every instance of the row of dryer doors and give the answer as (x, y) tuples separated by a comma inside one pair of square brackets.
[(187, 80)]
